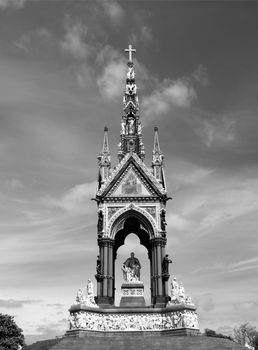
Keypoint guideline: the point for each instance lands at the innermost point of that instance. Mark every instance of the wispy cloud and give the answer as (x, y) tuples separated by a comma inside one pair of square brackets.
[(13, 304), (114, 11), (244, 265), (12, 3), (217, 132), (200, 75), (229, 267), (168, 94), (179, 93), (13, 184), (33, 41), (75, 40), (142, 36), (230, 203), (112, 80), (76, 200)]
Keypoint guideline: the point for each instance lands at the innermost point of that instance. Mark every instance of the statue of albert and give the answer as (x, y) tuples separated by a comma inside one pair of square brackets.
[(131, 269)]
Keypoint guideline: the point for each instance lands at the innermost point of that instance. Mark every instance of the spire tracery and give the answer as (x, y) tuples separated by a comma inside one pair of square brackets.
[(157, 159), (131, 129), (104, 159)]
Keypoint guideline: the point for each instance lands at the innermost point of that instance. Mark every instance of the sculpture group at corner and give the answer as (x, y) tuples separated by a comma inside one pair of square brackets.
[(87, 299)]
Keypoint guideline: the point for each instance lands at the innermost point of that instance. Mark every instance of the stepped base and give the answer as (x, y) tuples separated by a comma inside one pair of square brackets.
[(145, 342)]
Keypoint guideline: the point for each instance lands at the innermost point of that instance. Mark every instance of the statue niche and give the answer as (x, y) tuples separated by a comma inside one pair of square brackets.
[(163, 222), (100, 221)]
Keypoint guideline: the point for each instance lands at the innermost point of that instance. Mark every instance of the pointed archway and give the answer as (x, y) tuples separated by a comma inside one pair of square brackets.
[(127, 222)]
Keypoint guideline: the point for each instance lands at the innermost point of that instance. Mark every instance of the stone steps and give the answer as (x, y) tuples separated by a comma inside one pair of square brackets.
[(131, 342)]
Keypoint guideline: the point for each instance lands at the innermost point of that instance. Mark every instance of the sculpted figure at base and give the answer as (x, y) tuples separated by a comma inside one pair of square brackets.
[(89, 299), (80, 299), (89, 288), (178, 295), (131, 269)]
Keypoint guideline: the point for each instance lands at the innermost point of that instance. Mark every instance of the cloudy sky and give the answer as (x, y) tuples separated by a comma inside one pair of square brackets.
[(62, 69)]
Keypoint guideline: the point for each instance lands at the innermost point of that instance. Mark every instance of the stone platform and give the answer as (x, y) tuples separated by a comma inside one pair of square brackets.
[(178, 319), (127, 341)]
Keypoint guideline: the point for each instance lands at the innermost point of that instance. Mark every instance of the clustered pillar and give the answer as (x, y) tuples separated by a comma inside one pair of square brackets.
[(158, 279), (105, 279)]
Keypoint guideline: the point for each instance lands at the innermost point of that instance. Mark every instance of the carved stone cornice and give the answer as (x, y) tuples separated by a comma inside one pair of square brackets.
[(123, 199)]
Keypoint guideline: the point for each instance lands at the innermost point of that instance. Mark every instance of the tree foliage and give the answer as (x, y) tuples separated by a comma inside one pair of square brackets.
[(256, 341), (11, 336), (245, 335)]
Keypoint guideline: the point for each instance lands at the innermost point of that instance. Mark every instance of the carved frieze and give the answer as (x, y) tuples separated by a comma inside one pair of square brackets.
[(94, 321)]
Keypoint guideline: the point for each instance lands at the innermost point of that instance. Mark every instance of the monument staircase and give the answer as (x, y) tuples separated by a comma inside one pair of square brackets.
[(146, 342)]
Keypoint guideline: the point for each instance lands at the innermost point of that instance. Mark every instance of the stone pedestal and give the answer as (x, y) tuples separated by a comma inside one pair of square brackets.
[(132, 295), (178, 319)]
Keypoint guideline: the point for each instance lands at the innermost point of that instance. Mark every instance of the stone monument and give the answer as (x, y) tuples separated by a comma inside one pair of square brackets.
[(131, 198)]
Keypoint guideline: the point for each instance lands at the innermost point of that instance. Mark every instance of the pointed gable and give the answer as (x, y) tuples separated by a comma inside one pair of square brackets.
[(130, 184), (131, 178)]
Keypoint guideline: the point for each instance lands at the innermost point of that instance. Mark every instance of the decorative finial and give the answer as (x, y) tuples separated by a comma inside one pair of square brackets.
[(130, 51)]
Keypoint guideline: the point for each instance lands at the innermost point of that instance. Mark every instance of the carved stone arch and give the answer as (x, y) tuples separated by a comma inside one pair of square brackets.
[(121, 215), (132, 221)]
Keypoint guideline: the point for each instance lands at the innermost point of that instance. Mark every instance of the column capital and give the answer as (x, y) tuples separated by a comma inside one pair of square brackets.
[(158, 241), (106, 242)]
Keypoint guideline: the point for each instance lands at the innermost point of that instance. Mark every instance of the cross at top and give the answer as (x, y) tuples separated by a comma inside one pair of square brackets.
[(130, 50)]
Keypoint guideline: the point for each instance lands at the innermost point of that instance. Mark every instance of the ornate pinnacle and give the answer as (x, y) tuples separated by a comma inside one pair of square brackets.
[(104, 157), (157, 155), (105, 149), (131, 129)]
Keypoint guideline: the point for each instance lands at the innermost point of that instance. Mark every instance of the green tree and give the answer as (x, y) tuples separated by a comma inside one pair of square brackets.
[(245, 335), (11, 336), (256, 341)]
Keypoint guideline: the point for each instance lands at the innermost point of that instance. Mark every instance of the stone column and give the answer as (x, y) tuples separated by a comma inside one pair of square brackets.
[(159, 270), (102, 269), (160, 299), (105, 291), (110, 270), (152, 274), (104, 297)]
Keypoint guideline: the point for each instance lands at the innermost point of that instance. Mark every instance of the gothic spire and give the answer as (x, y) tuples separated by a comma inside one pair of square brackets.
[(131, 129), (104, 159), (157, 157), (105, 149)]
